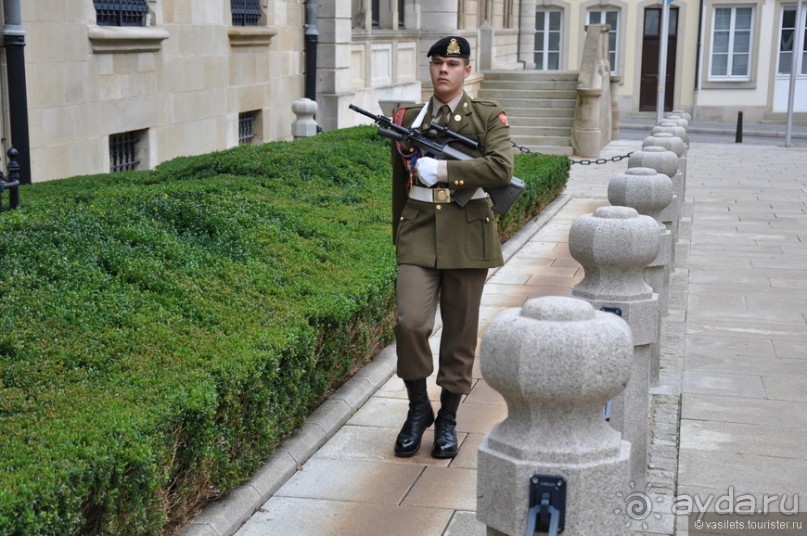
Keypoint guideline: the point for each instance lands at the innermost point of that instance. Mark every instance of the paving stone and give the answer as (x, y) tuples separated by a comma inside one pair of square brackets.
[(285, 516), (352, 481), (444, 487)]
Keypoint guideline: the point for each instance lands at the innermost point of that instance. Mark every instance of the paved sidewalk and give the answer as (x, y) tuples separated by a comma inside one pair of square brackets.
[(733, 379)]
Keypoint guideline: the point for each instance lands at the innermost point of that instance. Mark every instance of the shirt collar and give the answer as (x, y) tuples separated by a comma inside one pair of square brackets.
[(452, 104)]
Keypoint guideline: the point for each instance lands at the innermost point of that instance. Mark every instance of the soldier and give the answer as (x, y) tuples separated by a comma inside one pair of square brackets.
[(444, 250)]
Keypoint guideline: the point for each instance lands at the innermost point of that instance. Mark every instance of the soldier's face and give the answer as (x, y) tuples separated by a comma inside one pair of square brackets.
[(448, 76)]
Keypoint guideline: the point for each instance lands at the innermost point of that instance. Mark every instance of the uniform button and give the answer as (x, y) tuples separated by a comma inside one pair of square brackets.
[(401, 218), (462, 183), (487, 220), (439, 207)]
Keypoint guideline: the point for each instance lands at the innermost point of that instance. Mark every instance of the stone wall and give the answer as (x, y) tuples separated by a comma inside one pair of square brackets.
[(182, 81)]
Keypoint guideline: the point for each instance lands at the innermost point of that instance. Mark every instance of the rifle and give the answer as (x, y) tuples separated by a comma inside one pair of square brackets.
[(503, 197)]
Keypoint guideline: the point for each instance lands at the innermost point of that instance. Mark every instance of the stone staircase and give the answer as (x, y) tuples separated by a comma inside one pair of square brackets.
[(540, 106)]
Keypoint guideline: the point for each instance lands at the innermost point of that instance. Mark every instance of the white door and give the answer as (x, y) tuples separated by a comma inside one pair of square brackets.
[(787, 42)]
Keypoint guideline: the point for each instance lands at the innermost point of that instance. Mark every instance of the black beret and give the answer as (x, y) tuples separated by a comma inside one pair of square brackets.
[(451, 46)]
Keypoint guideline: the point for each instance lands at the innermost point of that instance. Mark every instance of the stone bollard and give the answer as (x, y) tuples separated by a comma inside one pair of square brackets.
[(676, 145), (614, 245), (304, 126), (682, 113), (556, 361), (665, 162), (673, 128), (679, 120)]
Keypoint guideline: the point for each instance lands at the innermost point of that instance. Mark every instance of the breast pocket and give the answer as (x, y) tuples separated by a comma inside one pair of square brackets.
[(480, 231)]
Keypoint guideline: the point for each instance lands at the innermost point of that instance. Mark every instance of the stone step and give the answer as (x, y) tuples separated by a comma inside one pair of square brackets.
[(539, 112), (545, 149), (557, 104), (537, 122), (542, 132), (527, 138), (542, 94), (544, 85), (531, 75), (540, 106)]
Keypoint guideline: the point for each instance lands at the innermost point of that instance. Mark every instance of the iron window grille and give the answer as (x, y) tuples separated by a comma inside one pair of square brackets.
[(120, 12), (245, 12), (246, 124), (123, 151)]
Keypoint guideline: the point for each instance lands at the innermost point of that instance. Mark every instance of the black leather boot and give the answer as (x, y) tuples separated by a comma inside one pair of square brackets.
[(420, 417), (445, 435)]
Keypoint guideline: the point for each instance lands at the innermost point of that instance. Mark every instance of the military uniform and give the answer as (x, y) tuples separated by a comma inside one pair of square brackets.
[(445, 236), (444, 250)]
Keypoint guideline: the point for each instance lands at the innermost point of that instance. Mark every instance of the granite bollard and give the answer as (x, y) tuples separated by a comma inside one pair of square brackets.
[(649, 192), (614, 245), (676, 145), (672, 127), (666, 162), (682, 113), (305, 125), (556, 361)]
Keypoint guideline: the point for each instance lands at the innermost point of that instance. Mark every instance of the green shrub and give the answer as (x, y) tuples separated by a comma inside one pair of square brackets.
[(161, 332)]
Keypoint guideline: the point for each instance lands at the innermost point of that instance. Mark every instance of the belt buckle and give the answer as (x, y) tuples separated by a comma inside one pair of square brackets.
[(441, 195)]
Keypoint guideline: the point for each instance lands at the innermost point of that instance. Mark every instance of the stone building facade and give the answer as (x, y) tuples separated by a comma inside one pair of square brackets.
[(189, 78)]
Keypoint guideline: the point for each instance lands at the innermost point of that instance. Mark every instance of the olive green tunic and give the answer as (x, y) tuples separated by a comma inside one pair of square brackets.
[(447, 236)]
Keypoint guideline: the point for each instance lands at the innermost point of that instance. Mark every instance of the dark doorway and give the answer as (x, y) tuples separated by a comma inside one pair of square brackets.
[(651, 45)]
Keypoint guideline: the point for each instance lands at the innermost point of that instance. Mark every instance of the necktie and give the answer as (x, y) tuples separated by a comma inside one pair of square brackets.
[(445, 111)]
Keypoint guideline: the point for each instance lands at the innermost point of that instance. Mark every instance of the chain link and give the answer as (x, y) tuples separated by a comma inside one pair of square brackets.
[(583, 162)]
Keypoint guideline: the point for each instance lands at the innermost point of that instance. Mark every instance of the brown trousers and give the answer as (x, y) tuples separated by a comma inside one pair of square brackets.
[(459, 293)]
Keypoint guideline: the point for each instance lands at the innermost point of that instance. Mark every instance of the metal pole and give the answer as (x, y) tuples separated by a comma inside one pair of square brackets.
[(797, 46), (311, 39), (662, 60), (14, 43)]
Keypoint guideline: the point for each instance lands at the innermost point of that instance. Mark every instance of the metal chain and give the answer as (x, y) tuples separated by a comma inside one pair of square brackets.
[(583, 162)]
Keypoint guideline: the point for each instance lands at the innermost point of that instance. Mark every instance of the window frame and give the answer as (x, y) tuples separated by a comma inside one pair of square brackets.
[(546, 31), (613, 51), (120, 9), (246, 13), (801, 66), (731, 53), (128, 151)]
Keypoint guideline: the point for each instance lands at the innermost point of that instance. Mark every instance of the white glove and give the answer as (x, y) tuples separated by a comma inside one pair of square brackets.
[(427, 170)]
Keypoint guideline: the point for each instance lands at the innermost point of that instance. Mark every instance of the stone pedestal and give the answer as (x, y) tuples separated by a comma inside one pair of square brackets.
[(614, 246), (556, 361)]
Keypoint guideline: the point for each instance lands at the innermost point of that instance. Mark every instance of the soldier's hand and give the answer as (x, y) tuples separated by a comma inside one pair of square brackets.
[(427, 170)]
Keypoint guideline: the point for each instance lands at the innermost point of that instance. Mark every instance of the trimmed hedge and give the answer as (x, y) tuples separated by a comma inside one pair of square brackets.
[(161, 332)]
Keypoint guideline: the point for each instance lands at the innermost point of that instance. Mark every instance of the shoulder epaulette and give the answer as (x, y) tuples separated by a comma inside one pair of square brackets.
[(484, 102)]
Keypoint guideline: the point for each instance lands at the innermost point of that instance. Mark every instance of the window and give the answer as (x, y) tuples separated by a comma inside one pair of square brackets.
[(547, 40), (121, 12), (124, 150), (731, 44), (611, 18), (787, 41), (246, 127), (245, 12)]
